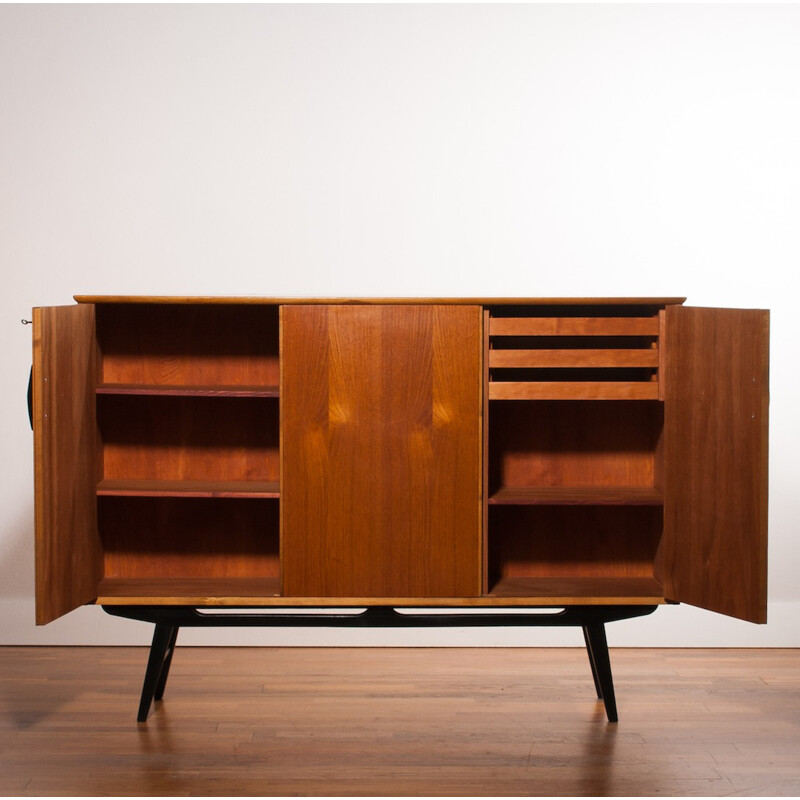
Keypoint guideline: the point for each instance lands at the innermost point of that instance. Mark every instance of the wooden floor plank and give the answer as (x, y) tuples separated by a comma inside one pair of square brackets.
[(387, 721)]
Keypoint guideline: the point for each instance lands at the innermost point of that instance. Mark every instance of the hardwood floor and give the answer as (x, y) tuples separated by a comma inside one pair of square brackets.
[(303, 721)]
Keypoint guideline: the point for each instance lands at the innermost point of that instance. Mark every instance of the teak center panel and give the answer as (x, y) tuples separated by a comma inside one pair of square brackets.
[(381, 451)]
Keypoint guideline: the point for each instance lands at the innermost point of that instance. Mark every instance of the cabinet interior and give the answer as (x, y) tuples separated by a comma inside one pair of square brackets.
[(574, 451), (188, 450), (173, 545), (574, 495), (190, 346), (188, 466)]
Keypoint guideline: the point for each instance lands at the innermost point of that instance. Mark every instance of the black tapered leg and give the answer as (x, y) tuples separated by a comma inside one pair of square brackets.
[(155, 677), (597, 686), (162, 681), (597, 647)]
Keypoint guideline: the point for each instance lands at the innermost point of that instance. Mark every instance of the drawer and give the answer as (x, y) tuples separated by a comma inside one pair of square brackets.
[(575, 358)]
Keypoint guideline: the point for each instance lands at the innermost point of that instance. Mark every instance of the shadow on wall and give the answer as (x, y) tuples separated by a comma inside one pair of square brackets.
[(17, 554), (17, 533)]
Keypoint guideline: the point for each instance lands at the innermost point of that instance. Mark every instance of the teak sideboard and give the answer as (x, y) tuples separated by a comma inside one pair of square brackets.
[(574, 461)]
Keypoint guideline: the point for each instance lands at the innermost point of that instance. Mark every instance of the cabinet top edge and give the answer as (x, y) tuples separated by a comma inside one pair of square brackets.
[(482, 301)]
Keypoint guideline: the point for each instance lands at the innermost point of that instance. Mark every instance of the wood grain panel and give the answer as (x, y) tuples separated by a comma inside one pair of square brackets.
[(189, 438), (573, 445), (68, 555), (573, 541), (381, 450), (167, 538), (716, 418), (186, 345)]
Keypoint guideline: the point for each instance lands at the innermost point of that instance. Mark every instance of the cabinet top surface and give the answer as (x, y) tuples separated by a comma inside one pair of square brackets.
[(483, 301)]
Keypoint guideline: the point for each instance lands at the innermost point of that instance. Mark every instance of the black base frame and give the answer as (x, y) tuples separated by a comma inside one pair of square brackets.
[(169, 619)]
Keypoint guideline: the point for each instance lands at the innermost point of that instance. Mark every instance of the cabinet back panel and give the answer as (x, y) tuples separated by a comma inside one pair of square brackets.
[(185, 345), (573, 443), (189, 438), (189, 538), (575, 541)]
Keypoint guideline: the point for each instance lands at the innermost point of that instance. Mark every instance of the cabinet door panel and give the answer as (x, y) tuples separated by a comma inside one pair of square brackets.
[(715, 492), (381, 444), (68, 553)]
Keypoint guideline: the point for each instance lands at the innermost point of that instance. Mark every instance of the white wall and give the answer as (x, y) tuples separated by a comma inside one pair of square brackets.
[(401, 150)]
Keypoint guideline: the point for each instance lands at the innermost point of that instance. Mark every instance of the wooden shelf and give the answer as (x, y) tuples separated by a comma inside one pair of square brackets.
[(573, 390), (185, 591), (187, 391), (577, 495), (158, 488), (631, 590)]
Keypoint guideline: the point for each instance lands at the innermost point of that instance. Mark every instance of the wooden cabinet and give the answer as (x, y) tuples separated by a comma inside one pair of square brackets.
[(277, 452)]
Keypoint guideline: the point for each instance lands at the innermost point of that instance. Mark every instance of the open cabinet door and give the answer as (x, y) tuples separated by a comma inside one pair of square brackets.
[(715, 459), (68, 553)]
